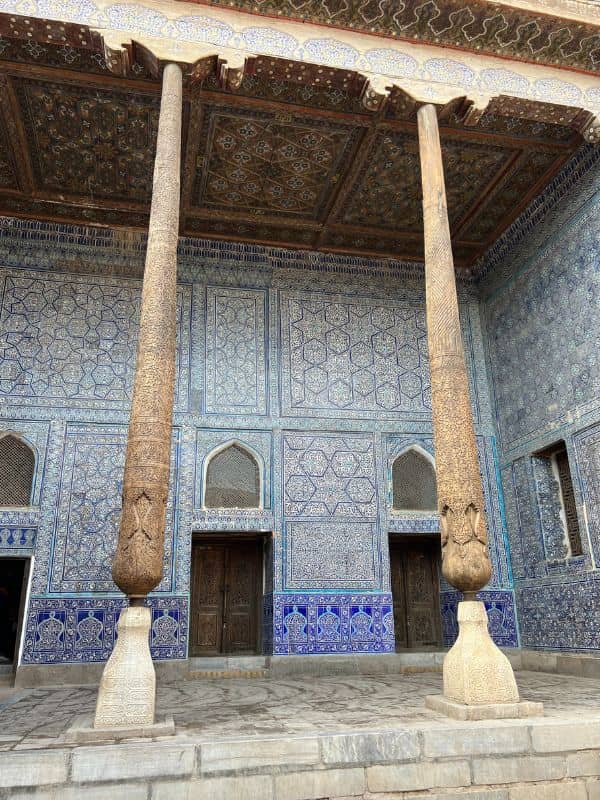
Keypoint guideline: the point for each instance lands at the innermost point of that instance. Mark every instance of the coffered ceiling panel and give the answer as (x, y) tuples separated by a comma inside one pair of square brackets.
[(94, 143), (276, 152), (253, 161)]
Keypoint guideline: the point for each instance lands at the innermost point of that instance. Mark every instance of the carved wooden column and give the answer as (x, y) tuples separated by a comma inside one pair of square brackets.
[(475, 671), (127, 690)]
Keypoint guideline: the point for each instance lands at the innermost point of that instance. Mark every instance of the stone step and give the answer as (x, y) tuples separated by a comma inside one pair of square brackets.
[(227, 673), (7, 675), (228, 667)]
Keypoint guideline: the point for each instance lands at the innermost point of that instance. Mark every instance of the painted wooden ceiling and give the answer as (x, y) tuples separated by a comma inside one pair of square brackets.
[(481, 26), (278, 153)]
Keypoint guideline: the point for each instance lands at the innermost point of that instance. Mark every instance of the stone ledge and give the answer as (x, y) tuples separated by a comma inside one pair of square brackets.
[(556, 736), (370, 747), (475, 741), (128, 761), (33, 767), (250, 754), (441, 704), (424, 775)]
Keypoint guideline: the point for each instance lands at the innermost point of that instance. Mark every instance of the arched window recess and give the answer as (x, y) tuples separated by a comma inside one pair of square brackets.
[(414, 486), (17, 470), (232, 477)]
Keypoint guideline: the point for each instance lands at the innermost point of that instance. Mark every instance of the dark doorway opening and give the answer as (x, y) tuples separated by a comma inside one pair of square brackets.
[(414, 572), (226, 596), (13, 573)]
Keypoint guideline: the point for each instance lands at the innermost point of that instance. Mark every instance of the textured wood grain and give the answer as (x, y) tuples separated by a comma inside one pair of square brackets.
[(137, 567), (465, 560)]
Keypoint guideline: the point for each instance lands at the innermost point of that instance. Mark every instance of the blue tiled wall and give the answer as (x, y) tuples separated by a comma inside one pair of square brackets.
[(318, 364), (541, 305)]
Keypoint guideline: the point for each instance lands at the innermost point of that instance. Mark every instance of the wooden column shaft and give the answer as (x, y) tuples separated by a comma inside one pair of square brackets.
[(138, 562), (465, 560)]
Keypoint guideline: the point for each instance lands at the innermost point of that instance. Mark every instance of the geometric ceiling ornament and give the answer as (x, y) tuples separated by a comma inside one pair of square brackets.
[(276, 152)]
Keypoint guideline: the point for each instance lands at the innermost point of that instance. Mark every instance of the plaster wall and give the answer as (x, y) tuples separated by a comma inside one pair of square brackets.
[(541, 310), (316, 363)]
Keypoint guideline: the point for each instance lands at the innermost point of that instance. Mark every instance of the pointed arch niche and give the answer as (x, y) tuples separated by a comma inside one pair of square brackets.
[(414, 486), (17, 471), (233, 477)]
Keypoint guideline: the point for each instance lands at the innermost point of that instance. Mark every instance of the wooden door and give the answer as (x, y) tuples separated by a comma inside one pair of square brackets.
[(226, 597), (415, 590), (398, 595)]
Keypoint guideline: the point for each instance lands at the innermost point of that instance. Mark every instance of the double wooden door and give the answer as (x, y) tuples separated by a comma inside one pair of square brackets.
[(415, 591), (226, 597)]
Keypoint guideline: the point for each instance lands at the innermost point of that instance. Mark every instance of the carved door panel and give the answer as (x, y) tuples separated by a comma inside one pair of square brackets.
[(415, 591), (241, 599), (226, 597), (422, 596), (208, 581), (398, 593)]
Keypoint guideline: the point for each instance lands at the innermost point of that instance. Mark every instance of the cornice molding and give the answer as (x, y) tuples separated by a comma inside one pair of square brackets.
[(498, 29)]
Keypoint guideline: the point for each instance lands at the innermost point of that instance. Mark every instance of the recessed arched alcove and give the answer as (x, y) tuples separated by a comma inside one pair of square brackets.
[(232, 478), (17, 469), (414, 486)]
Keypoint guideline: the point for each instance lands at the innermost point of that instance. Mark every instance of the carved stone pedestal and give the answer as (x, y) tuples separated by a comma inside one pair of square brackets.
[(477, 675), (127, 690)]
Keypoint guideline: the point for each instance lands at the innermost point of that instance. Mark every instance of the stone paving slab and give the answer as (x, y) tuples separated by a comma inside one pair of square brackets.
[(333, 738), (224, 709)]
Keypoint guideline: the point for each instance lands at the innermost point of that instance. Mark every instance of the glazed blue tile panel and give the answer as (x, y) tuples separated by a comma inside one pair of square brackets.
[(560, 616), (89, 511), (526, 545), (70, 339), (236, 375), (333, 623), (500, 607), (329, 476), (543, 336), (496, 524), (17, 541), (547, 495), (587, 448), (332, 555), (345, 356), (81, 629), (544, 332)]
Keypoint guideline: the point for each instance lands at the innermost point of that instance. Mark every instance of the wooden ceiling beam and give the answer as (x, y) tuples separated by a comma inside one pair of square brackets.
[(70, 77), (288, 109), (9, 107)]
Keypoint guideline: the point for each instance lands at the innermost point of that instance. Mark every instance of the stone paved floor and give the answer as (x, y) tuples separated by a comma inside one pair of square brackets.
[(222, 709)]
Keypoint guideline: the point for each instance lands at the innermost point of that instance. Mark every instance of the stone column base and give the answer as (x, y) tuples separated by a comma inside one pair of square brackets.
[(524, 708), (476, 672), (126, 696), (83, 731)]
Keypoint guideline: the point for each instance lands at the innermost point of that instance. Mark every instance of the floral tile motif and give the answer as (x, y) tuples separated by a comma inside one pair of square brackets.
[(80, 629), (17, 541), (89, 511), (331, 555), (332, 623), (72, 341), (235, 351), (500, 607)]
